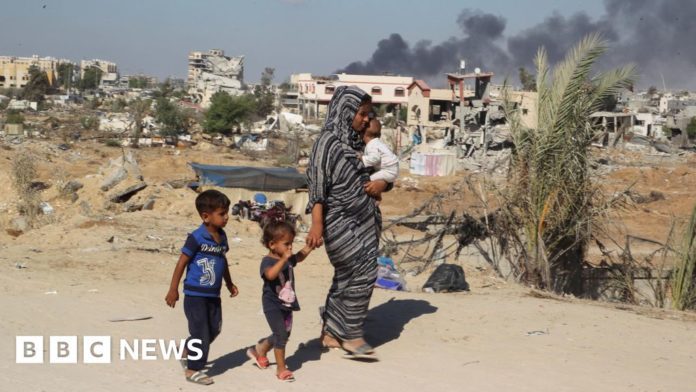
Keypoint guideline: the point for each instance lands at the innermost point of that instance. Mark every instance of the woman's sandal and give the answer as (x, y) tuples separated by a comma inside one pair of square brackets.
[(200, 378), (286, 375), (365, 351), (328, 347), (260, 361)]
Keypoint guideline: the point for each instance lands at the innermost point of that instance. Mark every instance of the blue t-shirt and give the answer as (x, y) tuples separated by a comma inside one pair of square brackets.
[(271, 288), (204, 273)]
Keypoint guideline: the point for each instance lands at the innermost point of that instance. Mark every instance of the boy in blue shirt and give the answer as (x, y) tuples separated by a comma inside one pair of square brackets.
[(203, 257)]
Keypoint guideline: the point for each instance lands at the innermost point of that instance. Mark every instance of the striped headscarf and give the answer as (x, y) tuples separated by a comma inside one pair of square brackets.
[(340, 114)]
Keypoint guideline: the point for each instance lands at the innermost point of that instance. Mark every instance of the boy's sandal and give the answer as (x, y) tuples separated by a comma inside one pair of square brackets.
[(200, 378), (260, 361), (286, 375)]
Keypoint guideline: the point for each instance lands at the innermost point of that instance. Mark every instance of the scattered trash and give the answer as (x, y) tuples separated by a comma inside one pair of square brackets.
[(388, 277), (264, 212), (19, 265), (46, 208), (52, 292), (133, 318), (151, 250), (153, 237), (447, 277), (260, 198), (386, 262)]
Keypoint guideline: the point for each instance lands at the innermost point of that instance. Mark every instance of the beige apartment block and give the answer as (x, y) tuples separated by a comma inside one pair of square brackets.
[(315, 92), (14, 71)]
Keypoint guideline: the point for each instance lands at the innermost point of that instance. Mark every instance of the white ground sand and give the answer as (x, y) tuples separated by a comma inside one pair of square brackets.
[(465, 341), (477, 341)]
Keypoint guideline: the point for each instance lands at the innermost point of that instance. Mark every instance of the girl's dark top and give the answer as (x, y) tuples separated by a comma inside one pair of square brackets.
[(271, 288)]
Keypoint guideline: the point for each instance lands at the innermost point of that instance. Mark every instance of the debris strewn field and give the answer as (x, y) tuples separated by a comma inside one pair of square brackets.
[(92, 258)]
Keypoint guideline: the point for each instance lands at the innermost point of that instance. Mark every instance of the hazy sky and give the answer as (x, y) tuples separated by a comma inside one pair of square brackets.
[(318, 36)]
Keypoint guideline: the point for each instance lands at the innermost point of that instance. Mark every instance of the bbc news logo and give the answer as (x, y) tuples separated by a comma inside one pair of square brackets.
[(97, 349)]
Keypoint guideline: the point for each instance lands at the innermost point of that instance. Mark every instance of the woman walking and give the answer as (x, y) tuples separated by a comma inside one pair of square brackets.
[(345, 218)]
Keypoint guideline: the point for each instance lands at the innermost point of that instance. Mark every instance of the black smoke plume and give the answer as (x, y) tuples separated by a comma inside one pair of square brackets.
[(656, 35)]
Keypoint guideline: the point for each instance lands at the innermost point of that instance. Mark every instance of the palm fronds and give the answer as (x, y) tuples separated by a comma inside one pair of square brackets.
[(551, 194), (684, 275)]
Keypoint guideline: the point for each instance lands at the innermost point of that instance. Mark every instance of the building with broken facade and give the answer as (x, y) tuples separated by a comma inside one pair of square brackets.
[(314, 93), (212, 71), (108, 71), (430, 107), (14, 71)]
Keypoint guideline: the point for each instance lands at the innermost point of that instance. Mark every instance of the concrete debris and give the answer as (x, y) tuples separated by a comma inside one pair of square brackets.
[(409, 183), (125, 194), (85, 208), (19, 224), (149, 204), (69, 190), (178, 184), (119, 169)]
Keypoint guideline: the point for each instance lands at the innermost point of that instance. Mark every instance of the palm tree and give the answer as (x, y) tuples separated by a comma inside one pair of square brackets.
[(684, 274), (552, 202)]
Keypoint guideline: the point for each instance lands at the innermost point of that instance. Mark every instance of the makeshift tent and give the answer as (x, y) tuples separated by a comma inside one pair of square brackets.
[(271, 179), (433, 164)]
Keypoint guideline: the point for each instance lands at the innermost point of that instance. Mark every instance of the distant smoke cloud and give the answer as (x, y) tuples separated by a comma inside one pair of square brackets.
[(556, 34), (656, 35), (477, 24), (428, 61)]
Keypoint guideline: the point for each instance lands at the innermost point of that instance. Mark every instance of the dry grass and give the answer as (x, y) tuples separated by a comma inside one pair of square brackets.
[(23, 175)]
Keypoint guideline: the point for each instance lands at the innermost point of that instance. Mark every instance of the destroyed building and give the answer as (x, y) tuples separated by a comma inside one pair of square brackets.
[(108, 71), (212, 71)]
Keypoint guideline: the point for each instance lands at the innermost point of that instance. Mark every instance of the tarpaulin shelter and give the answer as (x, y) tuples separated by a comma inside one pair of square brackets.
[(271, 179)]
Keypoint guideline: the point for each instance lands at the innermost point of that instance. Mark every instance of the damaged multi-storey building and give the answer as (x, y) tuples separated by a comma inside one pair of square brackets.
[(212, 71), (108, 71)]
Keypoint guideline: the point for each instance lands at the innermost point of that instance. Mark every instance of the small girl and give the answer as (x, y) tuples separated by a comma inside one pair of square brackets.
[(278, 296)]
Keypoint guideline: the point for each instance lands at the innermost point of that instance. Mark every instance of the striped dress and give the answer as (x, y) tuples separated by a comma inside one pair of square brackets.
[(351, 219)]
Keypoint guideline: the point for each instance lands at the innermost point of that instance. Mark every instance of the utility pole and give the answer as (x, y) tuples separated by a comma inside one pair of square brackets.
[(462, 67)]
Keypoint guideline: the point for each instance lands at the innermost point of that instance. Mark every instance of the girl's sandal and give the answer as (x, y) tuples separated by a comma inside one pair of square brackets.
[(260, 361), (286, 375)]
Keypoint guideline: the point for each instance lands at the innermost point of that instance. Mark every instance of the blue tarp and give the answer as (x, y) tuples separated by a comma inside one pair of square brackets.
[(270, 179)]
